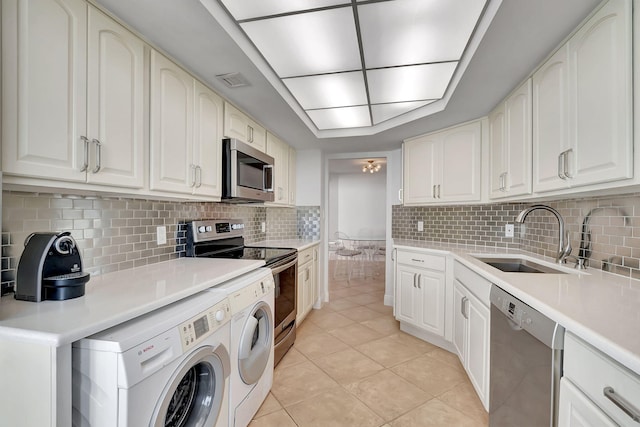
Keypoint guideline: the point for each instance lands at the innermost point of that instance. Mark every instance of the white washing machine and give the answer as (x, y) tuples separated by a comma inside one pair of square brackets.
[(252, 316), (170, 367)]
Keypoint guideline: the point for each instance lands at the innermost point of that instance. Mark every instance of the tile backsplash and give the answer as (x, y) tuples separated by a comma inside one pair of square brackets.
[(608, 226), (117, 233)]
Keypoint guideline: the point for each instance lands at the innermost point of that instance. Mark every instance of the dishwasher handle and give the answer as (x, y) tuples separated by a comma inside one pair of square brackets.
[(622, 403)]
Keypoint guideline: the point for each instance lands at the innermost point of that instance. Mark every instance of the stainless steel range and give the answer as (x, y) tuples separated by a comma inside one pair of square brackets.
[(225, 239)]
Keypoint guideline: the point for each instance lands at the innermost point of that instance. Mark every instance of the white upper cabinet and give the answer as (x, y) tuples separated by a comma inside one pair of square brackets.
[(115, 103), (510, 145), (583, 105), (292, 176), (443, 166), (87, 126), (239, 125), (284, 186), (44, 41), (186, 131)]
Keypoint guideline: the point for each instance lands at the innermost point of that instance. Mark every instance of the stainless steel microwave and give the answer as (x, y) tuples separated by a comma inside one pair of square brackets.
[(247, 173)]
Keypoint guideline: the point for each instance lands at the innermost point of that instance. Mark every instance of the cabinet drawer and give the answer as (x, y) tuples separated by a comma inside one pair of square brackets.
[(433, 262), (305, 256), (478, 285), (592, 371)]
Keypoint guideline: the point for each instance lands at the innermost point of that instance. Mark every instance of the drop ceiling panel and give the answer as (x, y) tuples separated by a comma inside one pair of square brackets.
[(307, 43), (413, 83), (406, 32), (340, 118), (247, 9), (328, 90), (382, 112)]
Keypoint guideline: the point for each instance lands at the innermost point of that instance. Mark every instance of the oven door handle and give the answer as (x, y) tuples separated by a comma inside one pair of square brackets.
[(281, 268)]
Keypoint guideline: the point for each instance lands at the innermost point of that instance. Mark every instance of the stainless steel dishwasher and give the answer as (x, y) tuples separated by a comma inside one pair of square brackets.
[(525, 364)]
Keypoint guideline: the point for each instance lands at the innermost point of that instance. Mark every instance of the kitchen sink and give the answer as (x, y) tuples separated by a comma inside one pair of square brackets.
[(518, 265)]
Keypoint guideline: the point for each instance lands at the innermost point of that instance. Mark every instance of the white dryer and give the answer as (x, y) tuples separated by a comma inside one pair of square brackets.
[(252, 316), (167, 368)]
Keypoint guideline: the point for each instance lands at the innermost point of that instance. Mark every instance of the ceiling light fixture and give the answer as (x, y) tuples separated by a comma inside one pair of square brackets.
[(371, 166), (381, 60)]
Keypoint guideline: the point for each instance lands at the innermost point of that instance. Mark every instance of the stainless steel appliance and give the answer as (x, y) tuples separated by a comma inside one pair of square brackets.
[(224, 239), (247, 174), (50, 268), (525, 366)]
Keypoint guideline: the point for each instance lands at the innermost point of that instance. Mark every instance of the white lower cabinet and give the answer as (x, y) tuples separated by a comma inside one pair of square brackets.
[(420, 291), (595, 388), (307, 282), (471, 326)]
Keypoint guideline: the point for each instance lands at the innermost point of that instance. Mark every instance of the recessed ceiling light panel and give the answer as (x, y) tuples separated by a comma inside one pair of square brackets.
[(247, 9), (382, 112), (407, 32), (308, 43), (414, 83), (328, 90), (340, 118)]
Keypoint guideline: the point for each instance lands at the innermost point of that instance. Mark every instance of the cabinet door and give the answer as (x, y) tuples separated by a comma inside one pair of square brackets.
[(419, 176), (460, 320), (407, 294), (577, 410), (171, 127), (44, 88), (518, 137), (305, 293), (115, 103), (431, 287), (236, 124), (292, 176), (477, 362), (280, 153), (460, 165), (207, 141), (257, 135), (550, 121), (601, 97), (497, 153)]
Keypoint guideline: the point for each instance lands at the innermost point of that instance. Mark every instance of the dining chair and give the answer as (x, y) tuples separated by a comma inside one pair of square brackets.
[(347, 253)]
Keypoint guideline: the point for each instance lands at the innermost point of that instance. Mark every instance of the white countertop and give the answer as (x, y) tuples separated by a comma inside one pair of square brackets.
[(600, 307), (113, 298), (299, 244)]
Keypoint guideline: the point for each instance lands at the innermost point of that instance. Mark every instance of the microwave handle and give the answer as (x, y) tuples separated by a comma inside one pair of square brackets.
[(267, 177)]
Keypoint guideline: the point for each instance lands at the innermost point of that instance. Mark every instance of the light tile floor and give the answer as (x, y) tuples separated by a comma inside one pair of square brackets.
[(352, 366)]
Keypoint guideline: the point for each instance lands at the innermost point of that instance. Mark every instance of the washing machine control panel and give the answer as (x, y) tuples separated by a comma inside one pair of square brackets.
[(204, 324), (246, 296)]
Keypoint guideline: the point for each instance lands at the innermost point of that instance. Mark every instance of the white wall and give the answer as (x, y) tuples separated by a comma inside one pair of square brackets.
[(308, 178), (361, 204), (334, 205)]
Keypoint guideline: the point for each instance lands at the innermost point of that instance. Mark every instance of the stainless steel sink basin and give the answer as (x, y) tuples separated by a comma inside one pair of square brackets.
[(518, 265)]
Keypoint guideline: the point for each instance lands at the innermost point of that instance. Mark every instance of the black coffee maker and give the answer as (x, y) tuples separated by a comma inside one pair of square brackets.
[(50, 268)]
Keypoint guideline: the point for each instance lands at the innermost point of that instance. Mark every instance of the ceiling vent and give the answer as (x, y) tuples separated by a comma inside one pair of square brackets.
[(233, 80)]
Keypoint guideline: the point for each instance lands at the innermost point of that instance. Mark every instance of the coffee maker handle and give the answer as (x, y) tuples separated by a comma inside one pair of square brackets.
[(64, 243)]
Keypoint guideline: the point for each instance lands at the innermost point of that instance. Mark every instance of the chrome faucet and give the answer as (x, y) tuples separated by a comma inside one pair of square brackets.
[(564, 249)]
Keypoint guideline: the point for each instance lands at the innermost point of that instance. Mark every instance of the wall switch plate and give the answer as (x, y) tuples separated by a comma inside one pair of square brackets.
[(263, 227), (161, 234), (508, 230), (420, 225)]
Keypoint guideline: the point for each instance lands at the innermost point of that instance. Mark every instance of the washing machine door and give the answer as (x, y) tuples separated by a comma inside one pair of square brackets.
[(194, 396), (256, 343)]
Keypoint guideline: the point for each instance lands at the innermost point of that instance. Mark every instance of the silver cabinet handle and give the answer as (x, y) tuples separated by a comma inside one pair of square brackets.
[(193, 175), (503, 181), (561, 174), (463, 302), (501, 186), (433, 191), (393, 254), (622, 403), (417, 260), (566, 163), (415, 276), (85, 141), (98, 156), (419, 285), (400, 194), (438, 191), (198, 176)]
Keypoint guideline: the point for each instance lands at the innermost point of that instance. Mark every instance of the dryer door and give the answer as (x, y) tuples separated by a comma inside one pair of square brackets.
[(195, 393), (256, 343)]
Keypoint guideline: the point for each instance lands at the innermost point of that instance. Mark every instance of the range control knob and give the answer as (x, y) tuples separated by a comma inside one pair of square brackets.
[(220, 315), (209, 228), (202, 229)]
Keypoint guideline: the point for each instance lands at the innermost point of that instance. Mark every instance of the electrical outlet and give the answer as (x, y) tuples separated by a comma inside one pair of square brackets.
[(508, 230), (420, 225), (263, 227), (161, 235)]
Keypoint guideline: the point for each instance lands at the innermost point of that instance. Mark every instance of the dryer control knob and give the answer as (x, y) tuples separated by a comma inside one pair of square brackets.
[(220, 315)]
